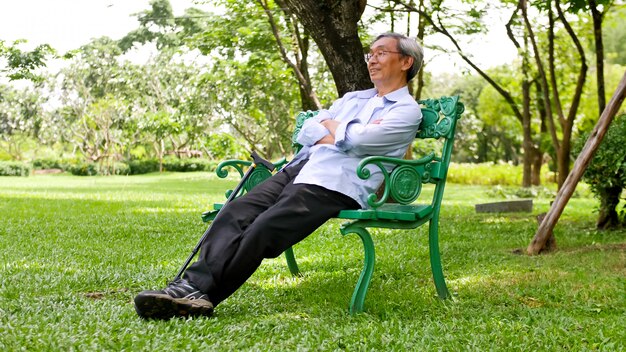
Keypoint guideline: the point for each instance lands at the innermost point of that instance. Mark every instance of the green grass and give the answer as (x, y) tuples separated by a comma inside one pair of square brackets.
[(74, 252)]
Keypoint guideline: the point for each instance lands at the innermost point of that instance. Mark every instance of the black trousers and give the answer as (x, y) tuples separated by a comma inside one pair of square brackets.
[(263, 223)]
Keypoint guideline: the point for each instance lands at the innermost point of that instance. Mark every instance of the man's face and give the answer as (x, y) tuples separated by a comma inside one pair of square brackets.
[(386, 64)]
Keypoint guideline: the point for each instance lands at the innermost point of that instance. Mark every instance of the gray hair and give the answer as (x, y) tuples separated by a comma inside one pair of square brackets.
[(407, 47)]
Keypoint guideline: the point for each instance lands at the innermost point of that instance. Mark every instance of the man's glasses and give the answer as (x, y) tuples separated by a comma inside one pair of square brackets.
[(379, 54)]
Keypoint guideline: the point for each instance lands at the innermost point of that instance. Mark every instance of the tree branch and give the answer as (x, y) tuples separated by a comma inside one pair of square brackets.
[(301, 79), (542, 76), (440, 28), (582, 74)]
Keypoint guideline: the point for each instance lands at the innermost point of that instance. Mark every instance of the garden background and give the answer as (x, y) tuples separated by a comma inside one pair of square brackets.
[(224, 78)]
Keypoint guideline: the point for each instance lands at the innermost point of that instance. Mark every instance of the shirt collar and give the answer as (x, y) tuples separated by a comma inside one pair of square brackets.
[(397, 94), (366, 94), (393, 96)]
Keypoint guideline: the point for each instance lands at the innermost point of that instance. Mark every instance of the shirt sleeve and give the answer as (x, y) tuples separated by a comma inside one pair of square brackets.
[(396, 129), (311, 132), (312, 129)]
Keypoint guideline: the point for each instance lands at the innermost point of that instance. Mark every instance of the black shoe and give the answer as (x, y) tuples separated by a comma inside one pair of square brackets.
[(179, 299)]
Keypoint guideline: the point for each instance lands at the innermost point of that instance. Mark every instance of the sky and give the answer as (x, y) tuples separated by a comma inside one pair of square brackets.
[(68, 24)]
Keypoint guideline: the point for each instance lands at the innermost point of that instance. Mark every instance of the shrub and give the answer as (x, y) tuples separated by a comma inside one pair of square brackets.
[(188, 165), (513, 192), (54, 163), (93, 169), (47, 163), (14, 168), (606, 173), (83, 169), (139, 167), (117, 168)]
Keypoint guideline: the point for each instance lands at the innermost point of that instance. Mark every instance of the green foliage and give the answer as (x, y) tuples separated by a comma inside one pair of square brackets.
[(490, 174), (511, 192), (95, 169), (222, 146), (50, 163), (158, 25), (78, 250), (501, 132), (607, 169), (14, 168), (189, 165), (588, 111), (606, 173), (84, 169), (21, 120), (143, 166), (614, 36), (23, 64)]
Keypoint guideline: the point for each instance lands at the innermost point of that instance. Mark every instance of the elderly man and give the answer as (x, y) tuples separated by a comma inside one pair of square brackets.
[(312, 188)]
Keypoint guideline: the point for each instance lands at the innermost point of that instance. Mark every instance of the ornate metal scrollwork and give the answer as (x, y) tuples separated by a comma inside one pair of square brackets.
[(257, 176), (448, 108), (448, 105), (427, 172), (238, 165), (406, 184), (443, 127)]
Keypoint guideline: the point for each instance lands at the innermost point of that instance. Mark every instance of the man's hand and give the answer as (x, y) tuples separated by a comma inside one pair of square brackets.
[(327, 139), (331, 126)]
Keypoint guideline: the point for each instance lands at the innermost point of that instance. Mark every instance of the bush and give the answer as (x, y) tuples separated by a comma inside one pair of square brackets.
[(606, 173), (48, 163), (54, 163), (14, 168), (188, 165), (93, 169), (116, 168), (139, 167), (83, 169), (512, 192)]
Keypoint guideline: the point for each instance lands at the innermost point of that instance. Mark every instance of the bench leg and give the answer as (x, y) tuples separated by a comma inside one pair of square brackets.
[(291, 262), (358, 297), (435, 258)]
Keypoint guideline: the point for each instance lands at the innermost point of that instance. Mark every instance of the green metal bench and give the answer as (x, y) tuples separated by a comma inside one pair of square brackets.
[(392, 207)]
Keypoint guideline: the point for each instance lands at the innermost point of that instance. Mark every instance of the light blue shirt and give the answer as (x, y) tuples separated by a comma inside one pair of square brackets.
[(397, 117)]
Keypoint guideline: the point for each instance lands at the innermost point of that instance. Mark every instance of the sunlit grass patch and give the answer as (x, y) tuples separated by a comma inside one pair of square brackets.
[(74, 251)]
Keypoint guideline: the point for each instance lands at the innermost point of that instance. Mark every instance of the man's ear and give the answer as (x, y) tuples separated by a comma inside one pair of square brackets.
[(407, 63)]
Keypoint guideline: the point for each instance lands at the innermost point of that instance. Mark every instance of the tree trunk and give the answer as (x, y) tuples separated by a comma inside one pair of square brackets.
[(609, 200), (334, 27), (305, 96), (527, 142), (564, 156), (566, 122), (597, 34), (583, 160), (537, 162), (421, 29), (551, 240)]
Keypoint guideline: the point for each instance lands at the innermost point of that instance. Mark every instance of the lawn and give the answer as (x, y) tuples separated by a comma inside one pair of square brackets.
[(74, 252)]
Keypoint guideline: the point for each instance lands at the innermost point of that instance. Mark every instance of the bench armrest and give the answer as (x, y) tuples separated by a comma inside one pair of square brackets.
[(404, 182), (260, 173)]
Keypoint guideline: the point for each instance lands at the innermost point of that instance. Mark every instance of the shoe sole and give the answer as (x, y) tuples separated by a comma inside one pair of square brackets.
[(165, 307)]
